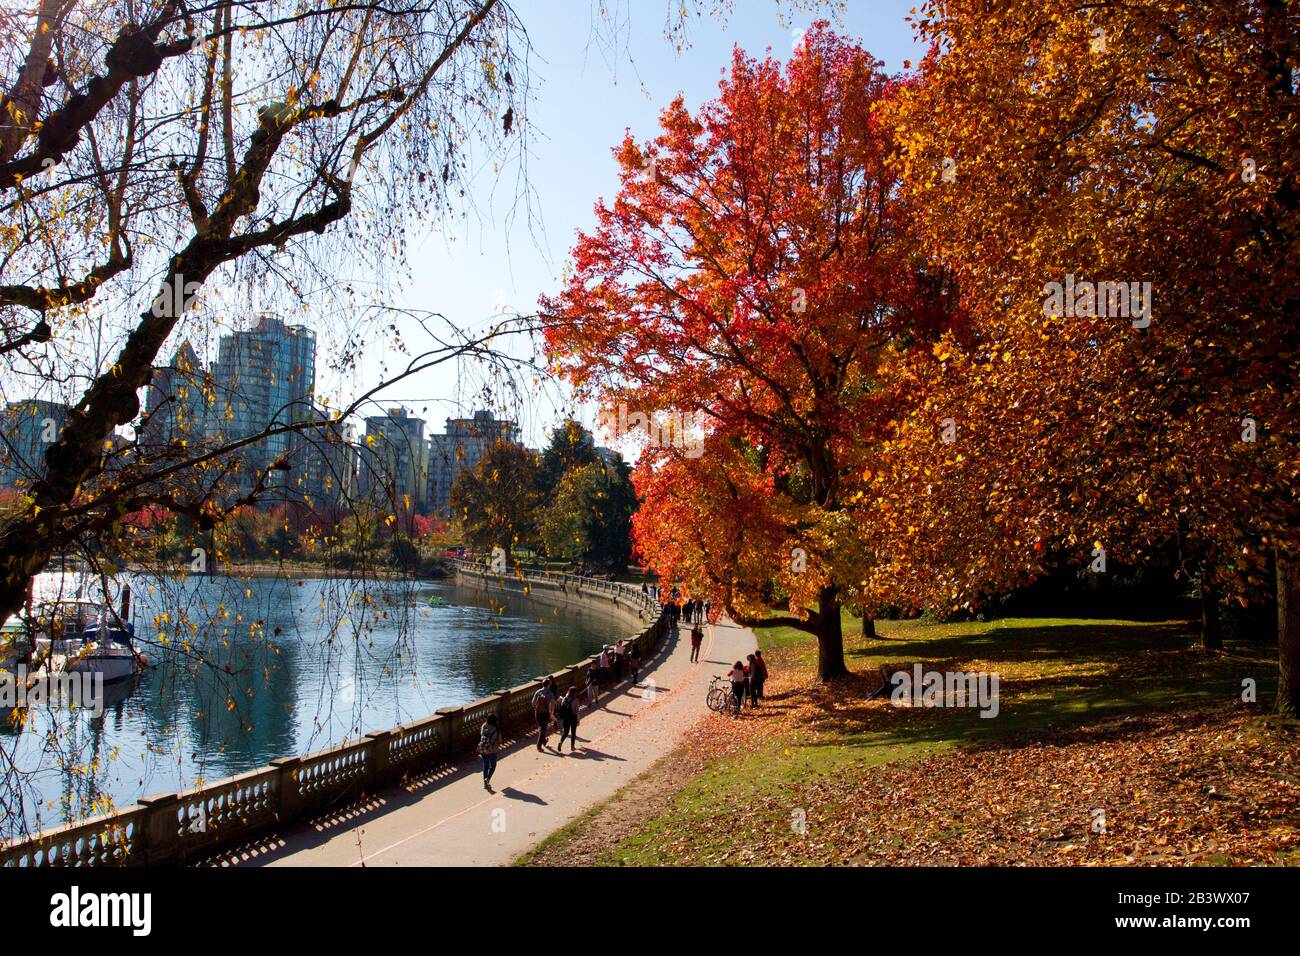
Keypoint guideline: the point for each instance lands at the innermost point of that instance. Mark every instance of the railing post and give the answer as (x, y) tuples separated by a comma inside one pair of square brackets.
[(378, 758), (286, 785), (160, 828), (449, 714)]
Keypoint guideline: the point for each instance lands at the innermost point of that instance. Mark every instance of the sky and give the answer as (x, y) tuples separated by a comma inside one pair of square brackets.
[(587, 94)]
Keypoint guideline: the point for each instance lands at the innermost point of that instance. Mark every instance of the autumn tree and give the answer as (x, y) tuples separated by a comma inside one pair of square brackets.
[(752, 281), (571, 446), (1153, 143), (588, 516), (496, 501)]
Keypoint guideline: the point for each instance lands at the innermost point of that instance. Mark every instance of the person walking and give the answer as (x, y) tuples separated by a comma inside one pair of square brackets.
[(568, 711), (593, 685), (737, 677), (761, 666), (489, 742), (634, 663), (754, 680), (543, 703), (697, 639)]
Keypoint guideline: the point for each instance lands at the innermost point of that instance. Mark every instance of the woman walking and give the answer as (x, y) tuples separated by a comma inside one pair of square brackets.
[(489, 742), (543, 705), (568, 720)]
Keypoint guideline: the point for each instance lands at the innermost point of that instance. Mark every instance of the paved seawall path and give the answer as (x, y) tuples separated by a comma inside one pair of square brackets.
[(446, 818)]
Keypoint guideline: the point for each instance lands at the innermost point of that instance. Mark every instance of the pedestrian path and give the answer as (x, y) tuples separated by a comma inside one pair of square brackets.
[(448, 819)]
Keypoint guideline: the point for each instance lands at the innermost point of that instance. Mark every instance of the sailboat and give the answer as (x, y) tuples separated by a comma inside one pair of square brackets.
[(89, 637)]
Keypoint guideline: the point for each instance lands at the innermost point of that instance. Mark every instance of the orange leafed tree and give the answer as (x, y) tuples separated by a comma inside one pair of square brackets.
[(1154, 142), (753, 275)]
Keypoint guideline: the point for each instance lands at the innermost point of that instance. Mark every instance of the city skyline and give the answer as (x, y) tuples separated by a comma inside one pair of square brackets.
[(264, 376)]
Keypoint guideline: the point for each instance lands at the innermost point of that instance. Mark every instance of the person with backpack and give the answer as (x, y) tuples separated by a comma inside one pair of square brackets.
[(568, 712), (543, 703), (697, 639), (737, 677), (489, 742)]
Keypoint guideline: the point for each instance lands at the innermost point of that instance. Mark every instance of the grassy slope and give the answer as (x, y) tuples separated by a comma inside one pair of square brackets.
[(1055, 674)]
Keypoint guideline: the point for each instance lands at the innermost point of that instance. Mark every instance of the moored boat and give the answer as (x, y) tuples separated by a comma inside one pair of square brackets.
[(86, 637)]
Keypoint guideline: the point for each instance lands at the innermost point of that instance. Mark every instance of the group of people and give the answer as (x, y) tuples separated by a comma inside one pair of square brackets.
[(678, 609), (614, 663), (747, 679)]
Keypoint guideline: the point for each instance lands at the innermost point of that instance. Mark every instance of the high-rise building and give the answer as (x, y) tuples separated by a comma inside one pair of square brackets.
[(177, 410), (27, 429), (394, 461), (462, 447), (323, 462), (263, 376)]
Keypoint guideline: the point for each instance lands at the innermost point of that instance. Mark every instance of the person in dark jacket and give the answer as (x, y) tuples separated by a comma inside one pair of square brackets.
[(760, 666), (568, 711), (489, 743)]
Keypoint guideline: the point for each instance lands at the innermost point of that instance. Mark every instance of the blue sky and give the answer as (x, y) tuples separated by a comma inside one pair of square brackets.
[(586, 95)]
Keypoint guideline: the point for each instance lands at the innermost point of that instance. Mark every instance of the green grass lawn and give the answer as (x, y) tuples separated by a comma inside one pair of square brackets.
[(1055, 674)]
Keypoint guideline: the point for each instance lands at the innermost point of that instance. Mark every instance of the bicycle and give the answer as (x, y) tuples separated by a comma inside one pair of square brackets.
[(719, 696)]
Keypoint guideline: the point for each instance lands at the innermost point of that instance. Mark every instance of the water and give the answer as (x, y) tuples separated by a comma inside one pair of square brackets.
[(290, 666)]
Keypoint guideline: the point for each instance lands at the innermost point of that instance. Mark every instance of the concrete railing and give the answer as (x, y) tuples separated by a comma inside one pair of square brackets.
[(193, 824)]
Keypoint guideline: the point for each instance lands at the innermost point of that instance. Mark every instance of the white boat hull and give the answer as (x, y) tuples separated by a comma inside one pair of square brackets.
[(113, 666)]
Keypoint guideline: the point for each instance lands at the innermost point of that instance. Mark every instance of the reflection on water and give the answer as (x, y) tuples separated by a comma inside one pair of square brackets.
[(244, 671)]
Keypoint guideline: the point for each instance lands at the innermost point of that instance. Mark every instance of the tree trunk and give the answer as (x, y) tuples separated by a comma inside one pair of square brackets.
[(868, 628), (1288, 636), (1211, 629), (830, 636)]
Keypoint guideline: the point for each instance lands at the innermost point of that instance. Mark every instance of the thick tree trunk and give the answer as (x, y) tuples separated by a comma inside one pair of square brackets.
[(1288, 636), (868, 627), (1211, 629), (830, 636)]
